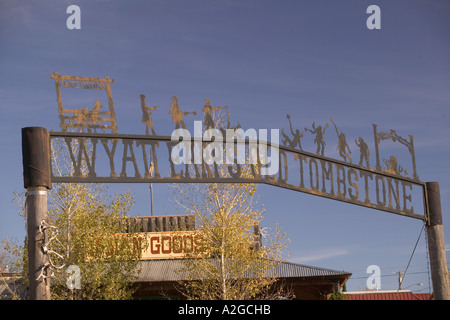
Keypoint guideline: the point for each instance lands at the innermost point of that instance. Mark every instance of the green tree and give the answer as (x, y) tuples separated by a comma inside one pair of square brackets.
[(230, 264), (89, 230), (12, 280)]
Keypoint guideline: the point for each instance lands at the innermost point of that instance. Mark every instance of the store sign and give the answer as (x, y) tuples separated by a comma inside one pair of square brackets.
[(170, 245)]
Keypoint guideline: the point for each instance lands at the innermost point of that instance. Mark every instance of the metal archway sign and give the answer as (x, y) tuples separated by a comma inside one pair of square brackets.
[(198, 157), (128, 158)]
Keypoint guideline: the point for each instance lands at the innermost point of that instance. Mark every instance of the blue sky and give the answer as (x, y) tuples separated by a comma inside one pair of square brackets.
[(264, 59)]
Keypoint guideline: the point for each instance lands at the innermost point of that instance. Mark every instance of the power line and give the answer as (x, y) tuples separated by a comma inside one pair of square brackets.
[(410, 258), (384, 268), (387, 275)]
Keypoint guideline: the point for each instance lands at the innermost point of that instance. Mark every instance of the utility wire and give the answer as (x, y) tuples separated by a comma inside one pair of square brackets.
[(410, 258), (385, 276)]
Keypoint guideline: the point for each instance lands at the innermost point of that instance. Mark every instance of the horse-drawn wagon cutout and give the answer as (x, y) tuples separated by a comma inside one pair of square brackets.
[(86, 118)]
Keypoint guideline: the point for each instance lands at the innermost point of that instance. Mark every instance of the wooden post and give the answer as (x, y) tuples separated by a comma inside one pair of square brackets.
[(36, 176), (436, 244)]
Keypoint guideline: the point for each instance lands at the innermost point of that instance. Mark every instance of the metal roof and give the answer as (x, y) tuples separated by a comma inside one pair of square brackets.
[(378, 295), (294, 270), (169, 270)]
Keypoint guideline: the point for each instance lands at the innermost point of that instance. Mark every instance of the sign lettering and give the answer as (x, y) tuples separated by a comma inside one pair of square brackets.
[(170, 245), (133, 156)]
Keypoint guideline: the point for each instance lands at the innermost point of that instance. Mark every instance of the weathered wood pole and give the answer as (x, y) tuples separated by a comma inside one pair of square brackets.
[(36, 177), (436, 244)]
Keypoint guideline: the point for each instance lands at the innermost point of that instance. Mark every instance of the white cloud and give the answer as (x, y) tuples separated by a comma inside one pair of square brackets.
[(320, 255)]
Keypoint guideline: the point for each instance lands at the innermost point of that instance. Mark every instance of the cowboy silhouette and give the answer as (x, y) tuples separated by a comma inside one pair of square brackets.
[(147, 115), (209, 122), (177, 114), (363, 152)]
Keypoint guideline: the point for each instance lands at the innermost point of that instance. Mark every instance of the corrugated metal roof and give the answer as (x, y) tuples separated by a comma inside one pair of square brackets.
[(389, 296), (169, 270), (294, 270)]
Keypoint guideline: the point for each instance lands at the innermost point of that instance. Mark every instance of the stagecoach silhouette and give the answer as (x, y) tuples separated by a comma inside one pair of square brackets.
[(86, 119)]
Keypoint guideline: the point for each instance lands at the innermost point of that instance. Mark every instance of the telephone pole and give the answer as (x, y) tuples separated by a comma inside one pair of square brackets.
[(400, 280), (436, 244)]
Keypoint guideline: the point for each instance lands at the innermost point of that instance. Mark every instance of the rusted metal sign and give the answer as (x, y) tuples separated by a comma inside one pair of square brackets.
[(228, 154), (87, 118), (127, 158)]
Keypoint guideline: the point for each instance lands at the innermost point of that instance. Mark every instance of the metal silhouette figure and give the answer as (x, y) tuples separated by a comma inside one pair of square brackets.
[(83, 119), (319, 132), (147, 119), (207, 109), (364, 152), (209, 124), (177, 114), (238, 126), (296, 136), (223, 130), (392, 166), (342, 146), (177, 118), (392, 135), (147, 115), (87, 119)]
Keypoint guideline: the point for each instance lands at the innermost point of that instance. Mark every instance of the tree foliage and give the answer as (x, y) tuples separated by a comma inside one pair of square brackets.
[(12, 282), (92, 234), (87, 228), (231, 264)]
